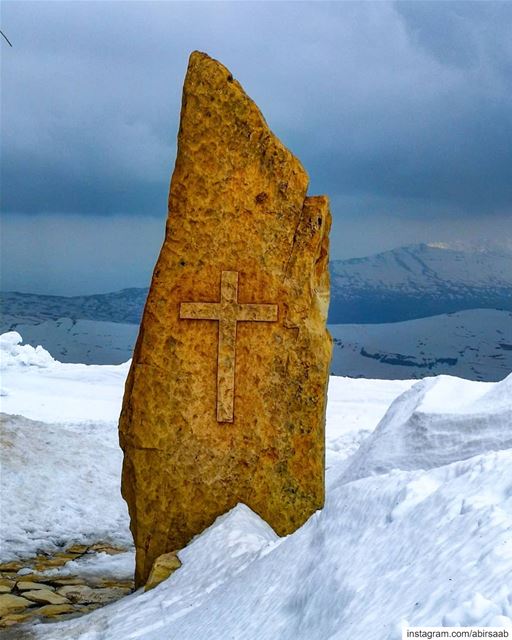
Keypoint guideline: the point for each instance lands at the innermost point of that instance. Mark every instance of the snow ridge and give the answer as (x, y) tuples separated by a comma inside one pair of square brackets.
[(438, 421)]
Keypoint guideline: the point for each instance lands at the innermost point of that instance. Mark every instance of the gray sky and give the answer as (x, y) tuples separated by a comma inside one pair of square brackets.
[(400, 112)]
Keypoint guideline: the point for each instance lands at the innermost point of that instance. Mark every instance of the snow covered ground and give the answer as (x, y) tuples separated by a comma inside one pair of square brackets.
[(417, 525)]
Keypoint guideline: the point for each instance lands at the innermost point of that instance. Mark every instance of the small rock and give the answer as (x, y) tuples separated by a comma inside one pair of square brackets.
[(28, 585), (101, 547), (54, 610), (9, 575), (77, 593), (65, 555), (45, 596), (33, 577), (66, 580), (11, 566), (5, 588), (15, 618), (109, 582), (86, 608), (163, 567), (7, 582), (10, 603), (82, 594), (48, 563), (78, 548)]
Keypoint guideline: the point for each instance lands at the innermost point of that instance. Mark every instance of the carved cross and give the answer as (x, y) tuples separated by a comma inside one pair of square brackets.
[(227, 312)]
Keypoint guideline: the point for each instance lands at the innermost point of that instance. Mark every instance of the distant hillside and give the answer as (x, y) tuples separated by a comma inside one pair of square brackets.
[(419, 281), (408, 313), (121, 306), (85, 341), (475, 344), (403, 284)]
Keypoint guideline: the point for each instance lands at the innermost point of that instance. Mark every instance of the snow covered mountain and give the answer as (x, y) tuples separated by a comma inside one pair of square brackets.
[(453, 308), (403, 284), (419, 281), (415, 529)]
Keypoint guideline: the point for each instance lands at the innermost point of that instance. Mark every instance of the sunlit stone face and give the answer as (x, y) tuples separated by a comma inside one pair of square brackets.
[(227, 312), (226, 394)]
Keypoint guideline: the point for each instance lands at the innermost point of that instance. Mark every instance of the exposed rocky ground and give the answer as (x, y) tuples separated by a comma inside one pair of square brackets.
[(33, 589)]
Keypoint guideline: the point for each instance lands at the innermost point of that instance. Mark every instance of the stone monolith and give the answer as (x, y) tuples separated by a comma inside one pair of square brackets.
[(226, 395)]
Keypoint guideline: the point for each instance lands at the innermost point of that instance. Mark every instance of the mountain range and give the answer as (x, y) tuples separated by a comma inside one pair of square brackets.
[(403, 284), (419, 281), (407, 313)]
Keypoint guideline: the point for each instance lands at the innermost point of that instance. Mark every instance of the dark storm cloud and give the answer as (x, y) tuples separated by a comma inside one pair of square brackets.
[(407, 102)]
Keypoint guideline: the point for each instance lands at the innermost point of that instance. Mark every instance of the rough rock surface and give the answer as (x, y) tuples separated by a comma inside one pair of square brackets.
[(29, 585), (10, 603), (86, 595), (45, 596), (163, 567), (55, 610), (225, 402)]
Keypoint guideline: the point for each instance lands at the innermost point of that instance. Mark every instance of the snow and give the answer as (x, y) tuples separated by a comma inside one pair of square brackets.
[(474, 344), (40, 388), (103, 565), (60, 485), (438, 421), (60, 457), (416, 527)]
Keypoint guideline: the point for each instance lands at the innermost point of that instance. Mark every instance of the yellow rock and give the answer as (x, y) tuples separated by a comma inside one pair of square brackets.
[(15, 565), (62, 557), (101, 547), (225, 399), (55, 610), (86, 608), (66, 580), (10, 603), (164, 566), (9, 575), (43, 563), (78, 548), (28, 585), (111, 582), (7, 582), (31, 577), (83, 594), (16, 618), (5, 588), (45, 596)]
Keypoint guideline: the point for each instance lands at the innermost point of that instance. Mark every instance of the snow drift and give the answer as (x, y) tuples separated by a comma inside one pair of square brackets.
[(436, 422), (416, 526)]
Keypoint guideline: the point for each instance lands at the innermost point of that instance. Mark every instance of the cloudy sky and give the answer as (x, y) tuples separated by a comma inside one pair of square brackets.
[(400, 111)]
